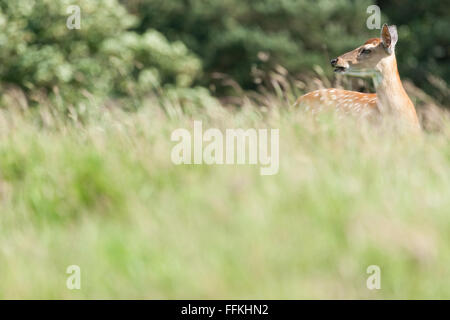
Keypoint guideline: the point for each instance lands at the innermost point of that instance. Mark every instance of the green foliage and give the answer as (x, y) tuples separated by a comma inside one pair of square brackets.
[(233, 36), (128, 49), (238, 37), (41, 54)]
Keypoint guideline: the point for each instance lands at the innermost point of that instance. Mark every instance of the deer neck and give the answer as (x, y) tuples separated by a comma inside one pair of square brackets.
[(392, 97)]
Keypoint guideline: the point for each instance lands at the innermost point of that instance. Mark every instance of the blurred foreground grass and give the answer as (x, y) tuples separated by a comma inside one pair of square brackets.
[(105, 195)]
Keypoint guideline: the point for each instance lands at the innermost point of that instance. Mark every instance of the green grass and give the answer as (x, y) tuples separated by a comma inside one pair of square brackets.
[(105, 195)]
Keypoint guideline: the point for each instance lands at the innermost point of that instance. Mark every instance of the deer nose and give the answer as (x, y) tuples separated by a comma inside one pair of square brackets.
[(333, 62)]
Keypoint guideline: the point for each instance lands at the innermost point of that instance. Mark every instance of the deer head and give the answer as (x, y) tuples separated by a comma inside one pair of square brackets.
[(365, 60)]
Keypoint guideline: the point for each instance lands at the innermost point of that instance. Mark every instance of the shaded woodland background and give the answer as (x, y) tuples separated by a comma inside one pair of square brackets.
[(186, 48)]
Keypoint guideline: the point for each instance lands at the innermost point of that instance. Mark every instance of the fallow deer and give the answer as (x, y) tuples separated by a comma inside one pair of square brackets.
[(375, 58)]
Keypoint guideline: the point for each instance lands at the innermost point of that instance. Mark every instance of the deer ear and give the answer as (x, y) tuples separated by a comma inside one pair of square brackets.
[(389, 37)]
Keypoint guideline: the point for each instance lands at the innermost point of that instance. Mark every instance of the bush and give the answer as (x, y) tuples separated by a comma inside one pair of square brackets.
[(40, 54)]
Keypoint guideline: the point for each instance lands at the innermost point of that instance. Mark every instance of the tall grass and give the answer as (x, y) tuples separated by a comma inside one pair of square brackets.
[(103, 194)]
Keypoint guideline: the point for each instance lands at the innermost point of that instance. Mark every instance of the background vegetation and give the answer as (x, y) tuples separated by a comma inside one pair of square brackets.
[(86, 177), (134, 48)]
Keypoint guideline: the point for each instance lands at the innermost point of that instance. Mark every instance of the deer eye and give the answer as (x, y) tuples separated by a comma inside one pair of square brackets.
[(366, 51)]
